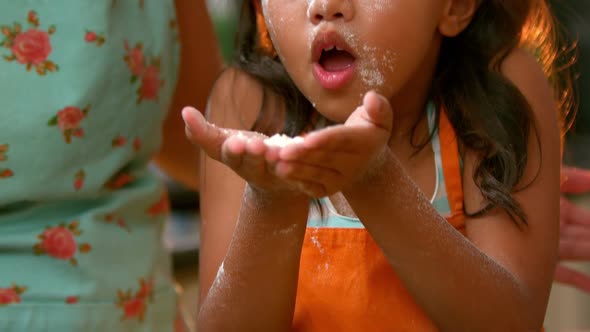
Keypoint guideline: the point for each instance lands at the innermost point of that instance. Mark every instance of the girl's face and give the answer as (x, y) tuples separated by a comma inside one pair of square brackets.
[(337, 50)]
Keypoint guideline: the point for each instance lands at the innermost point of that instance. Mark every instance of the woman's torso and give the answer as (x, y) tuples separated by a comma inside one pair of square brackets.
[(84, 88)]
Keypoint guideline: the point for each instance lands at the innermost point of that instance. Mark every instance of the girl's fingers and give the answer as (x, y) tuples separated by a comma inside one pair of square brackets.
[(232, 152), (338, 161), (247, 157), (574, 250), (330, 146), (575, 180), (340, 138), (573, 278), (575, 232), (254, 163), (204, 134), (377, 110), (303, 172), (571, 213)]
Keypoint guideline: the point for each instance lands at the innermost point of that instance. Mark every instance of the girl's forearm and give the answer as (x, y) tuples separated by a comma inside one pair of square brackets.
[(256, 285), (459, 287)]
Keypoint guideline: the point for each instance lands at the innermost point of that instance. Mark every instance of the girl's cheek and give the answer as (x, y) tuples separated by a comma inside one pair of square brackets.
[(271, 17), (278, 17)]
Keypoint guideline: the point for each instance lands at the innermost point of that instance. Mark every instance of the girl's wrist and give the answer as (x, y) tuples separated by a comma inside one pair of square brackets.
[(380, 165), (271, 195), (386, 170), (276, 211), (274, 199)]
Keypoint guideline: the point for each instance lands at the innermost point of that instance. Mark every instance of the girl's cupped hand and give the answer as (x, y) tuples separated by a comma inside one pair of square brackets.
[(324, 162), (330, 160), (245, 152)]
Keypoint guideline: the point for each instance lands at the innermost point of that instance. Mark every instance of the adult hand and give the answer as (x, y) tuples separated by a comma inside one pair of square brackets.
[(329, 160), (574, 239)]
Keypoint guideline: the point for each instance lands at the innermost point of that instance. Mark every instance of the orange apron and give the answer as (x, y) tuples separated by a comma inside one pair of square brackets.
[(347, 284)]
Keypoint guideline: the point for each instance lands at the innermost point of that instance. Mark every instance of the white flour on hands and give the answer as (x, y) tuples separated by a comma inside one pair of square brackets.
[(280, 140)]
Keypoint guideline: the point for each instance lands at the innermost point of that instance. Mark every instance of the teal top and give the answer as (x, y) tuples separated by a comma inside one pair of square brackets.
[(84, 89)]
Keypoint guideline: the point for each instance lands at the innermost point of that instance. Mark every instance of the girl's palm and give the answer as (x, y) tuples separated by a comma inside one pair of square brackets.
[(331, 159)]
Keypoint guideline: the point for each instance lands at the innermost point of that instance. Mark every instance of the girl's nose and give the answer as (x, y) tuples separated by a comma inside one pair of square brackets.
[(330, 10)]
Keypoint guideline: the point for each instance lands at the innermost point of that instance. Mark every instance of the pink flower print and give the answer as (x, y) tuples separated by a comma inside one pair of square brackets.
[(112, 218), (150, 84), (135, 60), (11, 295), (72, 299), (146, 289), (119, 141), (162, 206), (119, 181), (8, 296), (121, 223), (90, 36), (79, 179), (85, 248), (32, 18), (149, 74), (3, 149), (4, 172), (94, 38), (68, 120), (59, 242), (134, 306), (136, 144), (31, 47)]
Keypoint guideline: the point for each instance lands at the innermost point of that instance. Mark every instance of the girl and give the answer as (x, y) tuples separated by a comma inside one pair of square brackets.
[(438, 196)]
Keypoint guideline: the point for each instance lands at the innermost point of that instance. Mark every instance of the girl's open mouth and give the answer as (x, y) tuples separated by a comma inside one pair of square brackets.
[(334, 63)]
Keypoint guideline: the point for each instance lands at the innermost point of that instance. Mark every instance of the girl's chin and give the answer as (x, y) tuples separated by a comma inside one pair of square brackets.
[(337, 111), (334, 116)]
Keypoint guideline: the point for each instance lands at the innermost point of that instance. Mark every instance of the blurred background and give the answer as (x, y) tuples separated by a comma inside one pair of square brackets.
[(569, 309), (181, 235)]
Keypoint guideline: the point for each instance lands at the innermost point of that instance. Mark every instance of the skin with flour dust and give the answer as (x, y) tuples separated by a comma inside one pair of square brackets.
[(371, 62), (281, 140)]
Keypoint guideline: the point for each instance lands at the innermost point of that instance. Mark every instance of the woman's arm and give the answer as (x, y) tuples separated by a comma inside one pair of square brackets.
[(200, 64), (499, 277)]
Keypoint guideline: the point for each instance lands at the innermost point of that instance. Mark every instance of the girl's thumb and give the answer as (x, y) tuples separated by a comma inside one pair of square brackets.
[(201, 133), (379, 110)]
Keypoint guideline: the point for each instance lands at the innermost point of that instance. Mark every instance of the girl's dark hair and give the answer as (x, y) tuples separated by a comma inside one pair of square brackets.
[(270, 72), (467, 78)]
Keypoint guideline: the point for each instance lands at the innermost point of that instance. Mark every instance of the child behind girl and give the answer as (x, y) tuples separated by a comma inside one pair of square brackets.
[(438, 196)]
